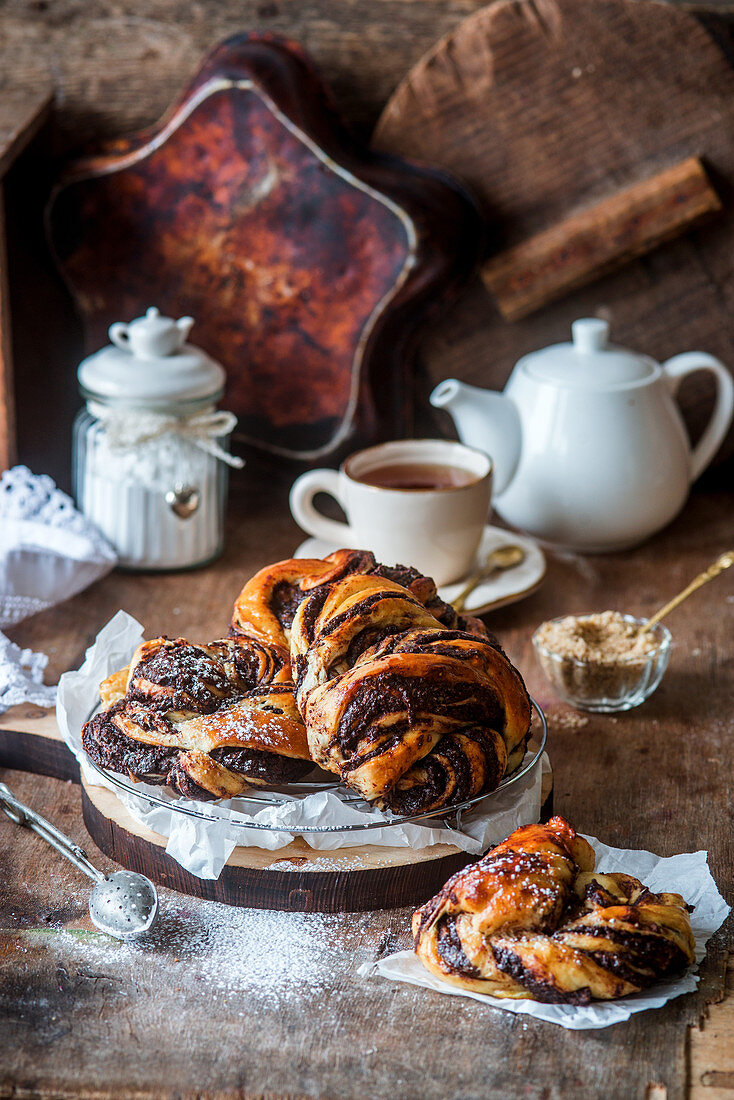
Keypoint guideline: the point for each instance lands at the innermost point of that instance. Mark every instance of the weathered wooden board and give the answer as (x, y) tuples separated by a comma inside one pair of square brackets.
[(359, 878), (22, 114), (30, 740), (549, 107), (115, 70), (271, 1003), (296, 878), (711, 1054)]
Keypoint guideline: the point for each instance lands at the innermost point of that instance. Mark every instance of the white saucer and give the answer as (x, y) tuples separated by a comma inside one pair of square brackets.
[(496, 591)]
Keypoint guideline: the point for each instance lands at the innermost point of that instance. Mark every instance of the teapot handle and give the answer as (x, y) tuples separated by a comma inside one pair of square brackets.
[(119, 335), (676, 369)]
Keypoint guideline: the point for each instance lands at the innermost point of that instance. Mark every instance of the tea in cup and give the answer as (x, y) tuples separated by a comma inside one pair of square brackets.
[(419, 502)]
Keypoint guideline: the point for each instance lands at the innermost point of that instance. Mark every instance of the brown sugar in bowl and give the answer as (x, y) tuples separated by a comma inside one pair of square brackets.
[(602, 661)]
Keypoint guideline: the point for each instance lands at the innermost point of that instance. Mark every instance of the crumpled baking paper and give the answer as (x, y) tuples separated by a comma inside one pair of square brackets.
[(687, 874), (203, 845), (21, 676)]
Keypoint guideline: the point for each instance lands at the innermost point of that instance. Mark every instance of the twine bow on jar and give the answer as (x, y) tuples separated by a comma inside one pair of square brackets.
[(128, 429)]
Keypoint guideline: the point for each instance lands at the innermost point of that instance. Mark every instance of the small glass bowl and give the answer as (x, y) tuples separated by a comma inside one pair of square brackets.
[(606, 686)]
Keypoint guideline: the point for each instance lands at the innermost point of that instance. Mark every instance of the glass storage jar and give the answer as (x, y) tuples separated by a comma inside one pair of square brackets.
[(150, 448)]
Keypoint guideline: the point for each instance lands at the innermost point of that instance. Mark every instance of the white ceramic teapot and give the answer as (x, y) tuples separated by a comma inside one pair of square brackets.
[(589, 447)]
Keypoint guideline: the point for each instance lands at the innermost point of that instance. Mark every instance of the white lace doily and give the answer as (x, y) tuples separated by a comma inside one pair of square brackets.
[(21, 677), (48, 550)]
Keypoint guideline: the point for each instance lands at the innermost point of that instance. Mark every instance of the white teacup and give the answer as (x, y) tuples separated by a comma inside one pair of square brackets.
[(437, 530)]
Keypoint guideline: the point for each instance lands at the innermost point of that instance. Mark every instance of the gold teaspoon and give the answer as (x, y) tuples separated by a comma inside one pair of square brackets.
[(499, 559), (718, 566)]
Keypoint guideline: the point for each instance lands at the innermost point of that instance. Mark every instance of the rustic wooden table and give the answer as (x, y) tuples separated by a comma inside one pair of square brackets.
[(234, 1002)]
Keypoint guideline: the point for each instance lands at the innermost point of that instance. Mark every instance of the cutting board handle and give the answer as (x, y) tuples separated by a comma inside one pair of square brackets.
[(600, 239)]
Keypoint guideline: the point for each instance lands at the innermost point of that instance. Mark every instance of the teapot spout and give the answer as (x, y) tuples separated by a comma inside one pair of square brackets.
[(184, 326), (486, 420)]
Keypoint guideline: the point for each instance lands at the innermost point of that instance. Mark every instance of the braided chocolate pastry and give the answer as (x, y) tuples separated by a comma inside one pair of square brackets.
[(207, 720), (410, 703), (533, 919), (413, 715), (267, 605)]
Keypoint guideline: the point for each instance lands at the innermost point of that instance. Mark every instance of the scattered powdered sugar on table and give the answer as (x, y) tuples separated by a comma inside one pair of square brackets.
[(255, 950), (230, 950)]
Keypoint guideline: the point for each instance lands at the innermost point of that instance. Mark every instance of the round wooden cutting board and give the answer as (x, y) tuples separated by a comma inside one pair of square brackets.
[(296, 878), (550, 108)]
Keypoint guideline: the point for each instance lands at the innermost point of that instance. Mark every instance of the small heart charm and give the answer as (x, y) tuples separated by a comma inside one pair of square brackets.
[(183, 500)]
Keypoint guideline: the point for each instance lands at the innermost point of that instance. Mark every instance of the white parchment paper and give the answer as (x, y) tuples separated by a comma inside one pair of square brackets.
[(203, 844), (687, 874)]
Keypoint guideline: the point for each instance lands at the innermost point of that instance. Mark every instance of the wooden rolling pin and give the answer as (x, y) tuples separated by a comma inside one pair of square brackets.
[(597, 240)]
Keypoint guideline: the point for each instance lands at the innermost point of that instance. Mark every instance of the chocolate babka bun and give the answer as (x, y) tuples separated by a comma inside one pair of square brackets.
[(267, 605), (532, 919), (413, 715), (209, 721)]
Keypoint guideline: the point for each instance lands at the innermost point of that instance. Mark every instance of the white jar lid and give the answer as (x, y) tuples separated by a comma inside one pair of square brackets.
[(589, 362), (149, 364)]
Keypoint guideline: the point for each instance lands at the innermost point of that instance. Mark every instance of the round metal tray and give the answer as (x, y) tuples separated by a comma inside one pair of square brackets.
[(261, 797)]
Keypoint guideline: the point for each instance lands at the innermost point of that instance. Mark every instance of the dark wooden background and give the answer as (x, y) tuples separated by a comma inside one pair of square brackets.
[(116, 66)]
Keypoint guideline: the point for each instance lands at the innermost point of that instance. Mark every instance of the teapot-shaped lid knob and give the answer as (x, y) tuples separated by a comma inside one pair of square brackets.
[(149, 364), (589, 361), (152, 336)]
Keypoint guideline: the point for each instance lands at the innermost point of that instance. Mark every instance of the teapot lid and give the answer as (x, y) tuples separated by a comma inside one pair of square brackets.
[(150, 364), (589, 362)]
